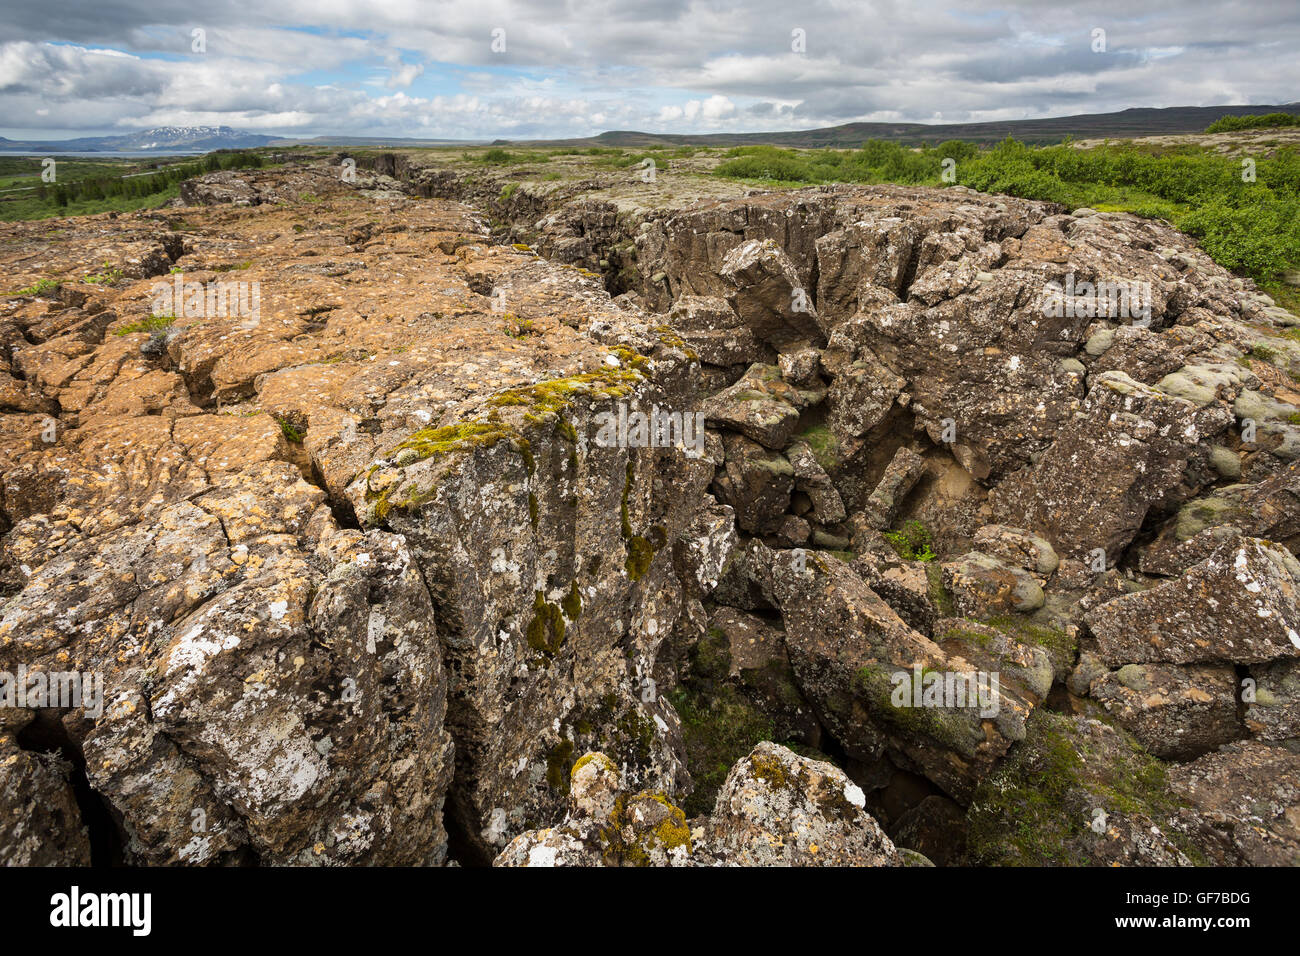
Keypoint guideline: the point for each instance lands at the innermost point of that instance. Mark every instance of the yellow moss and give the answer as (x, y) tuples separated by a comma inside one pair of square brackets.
[(673, 832), (551, 398), (588, 758), (431, 442)]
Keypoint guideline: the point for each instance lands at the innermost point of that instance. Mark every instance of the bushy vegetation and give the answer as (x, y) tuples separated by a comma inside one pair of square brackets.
[(1227, 124), (110, 187), (504, 157), (1252, 227)]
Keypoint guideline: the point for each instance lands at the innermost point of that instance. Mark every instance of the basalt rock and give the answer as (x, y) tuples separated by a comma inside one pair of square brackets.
[(1242, 803), (365, 571), (775, 809), (1176, 711), (1128, 445), (768, 295), (1237, 606)]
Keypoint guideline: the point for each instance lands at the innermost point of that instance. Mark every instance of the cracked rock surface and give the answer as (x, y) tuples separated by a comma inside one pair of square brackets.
[(385, 571)]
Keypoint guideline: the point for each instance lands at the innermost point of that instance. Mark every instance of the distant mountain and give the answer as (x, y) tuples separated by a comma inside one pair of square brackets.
[(160, 139), (1124, 124), (398, 141), (204, 139)]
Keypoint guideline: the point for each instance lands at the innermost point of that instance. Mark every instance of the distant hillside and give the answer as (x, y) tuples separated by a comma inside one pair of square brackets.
[(160, 139), (399, 141), (204, 139), (1126, 123)]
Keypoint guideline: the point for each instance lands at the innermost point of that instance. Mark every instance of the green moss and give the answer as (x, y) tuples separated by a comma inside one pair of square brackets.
[(552, 397), (623, 845), (673, 832), (631, 359), (432, 442), (558, 763), (670, 338), (1060, 646), (939, 595), (572, 602), (712, 657), (958, 729), (525, 449), (155, 323), (771, 771), (719, 726), (640, 549), (588, 758), (640, 553), (532, 509), (545, 632), (517, 328), (824, 445), (1036, 810)]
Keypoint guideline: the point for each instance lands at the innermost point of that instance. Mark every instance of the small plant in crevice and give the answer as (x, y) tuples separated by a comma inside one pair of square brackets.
[(912, 541), (290, 433), (109, 276), (40, 287)]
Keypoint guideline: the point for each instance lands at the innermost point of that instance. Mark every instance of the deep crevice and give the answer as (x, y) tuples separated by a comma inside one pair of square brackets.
[(48, 734)]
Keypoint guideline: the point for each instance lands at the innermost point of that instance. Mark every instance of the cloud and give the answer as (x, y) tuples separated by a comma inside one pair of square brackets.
[(572, 68)]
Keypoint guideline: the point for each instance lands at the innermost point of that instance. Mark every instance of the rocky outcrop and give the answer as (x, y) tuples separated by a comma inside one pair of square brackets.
[(863, 470), (775, 809)]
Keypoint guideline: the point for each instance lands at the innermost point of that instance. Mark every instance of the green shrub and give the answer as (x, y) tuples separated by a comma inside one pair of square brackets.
[(1227, 124)]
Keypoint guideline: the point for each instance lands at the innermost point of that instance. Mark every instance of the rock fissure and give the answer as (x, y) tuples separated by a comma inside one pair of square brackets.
[(488, 560)]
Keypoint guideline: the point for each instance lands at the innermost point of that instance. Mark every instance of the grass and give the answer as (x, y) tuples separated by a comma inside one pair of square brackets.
[(1286, 296)]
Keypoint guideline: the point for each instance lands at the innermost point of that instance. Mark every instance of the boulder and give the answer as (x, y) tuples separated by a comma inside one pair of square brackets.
[(1238, 606)]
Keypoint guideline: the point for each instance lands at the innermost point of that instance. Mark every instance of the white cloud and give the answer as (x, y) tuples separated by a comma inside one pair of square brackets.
[(399, 67)]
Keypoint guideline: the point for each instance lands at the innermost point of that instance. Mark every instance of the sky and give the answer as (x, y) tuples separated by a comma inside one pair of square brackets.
[(488, 69)]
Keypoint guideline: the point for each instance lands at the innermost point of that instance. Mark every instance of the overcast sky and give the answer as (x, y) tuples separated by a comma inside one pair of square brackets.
[(558, 69)]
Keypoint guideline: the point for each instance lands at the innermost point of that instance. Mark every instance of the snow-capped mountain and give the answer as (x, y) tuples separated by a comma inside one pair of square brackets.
[(159, 139)]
